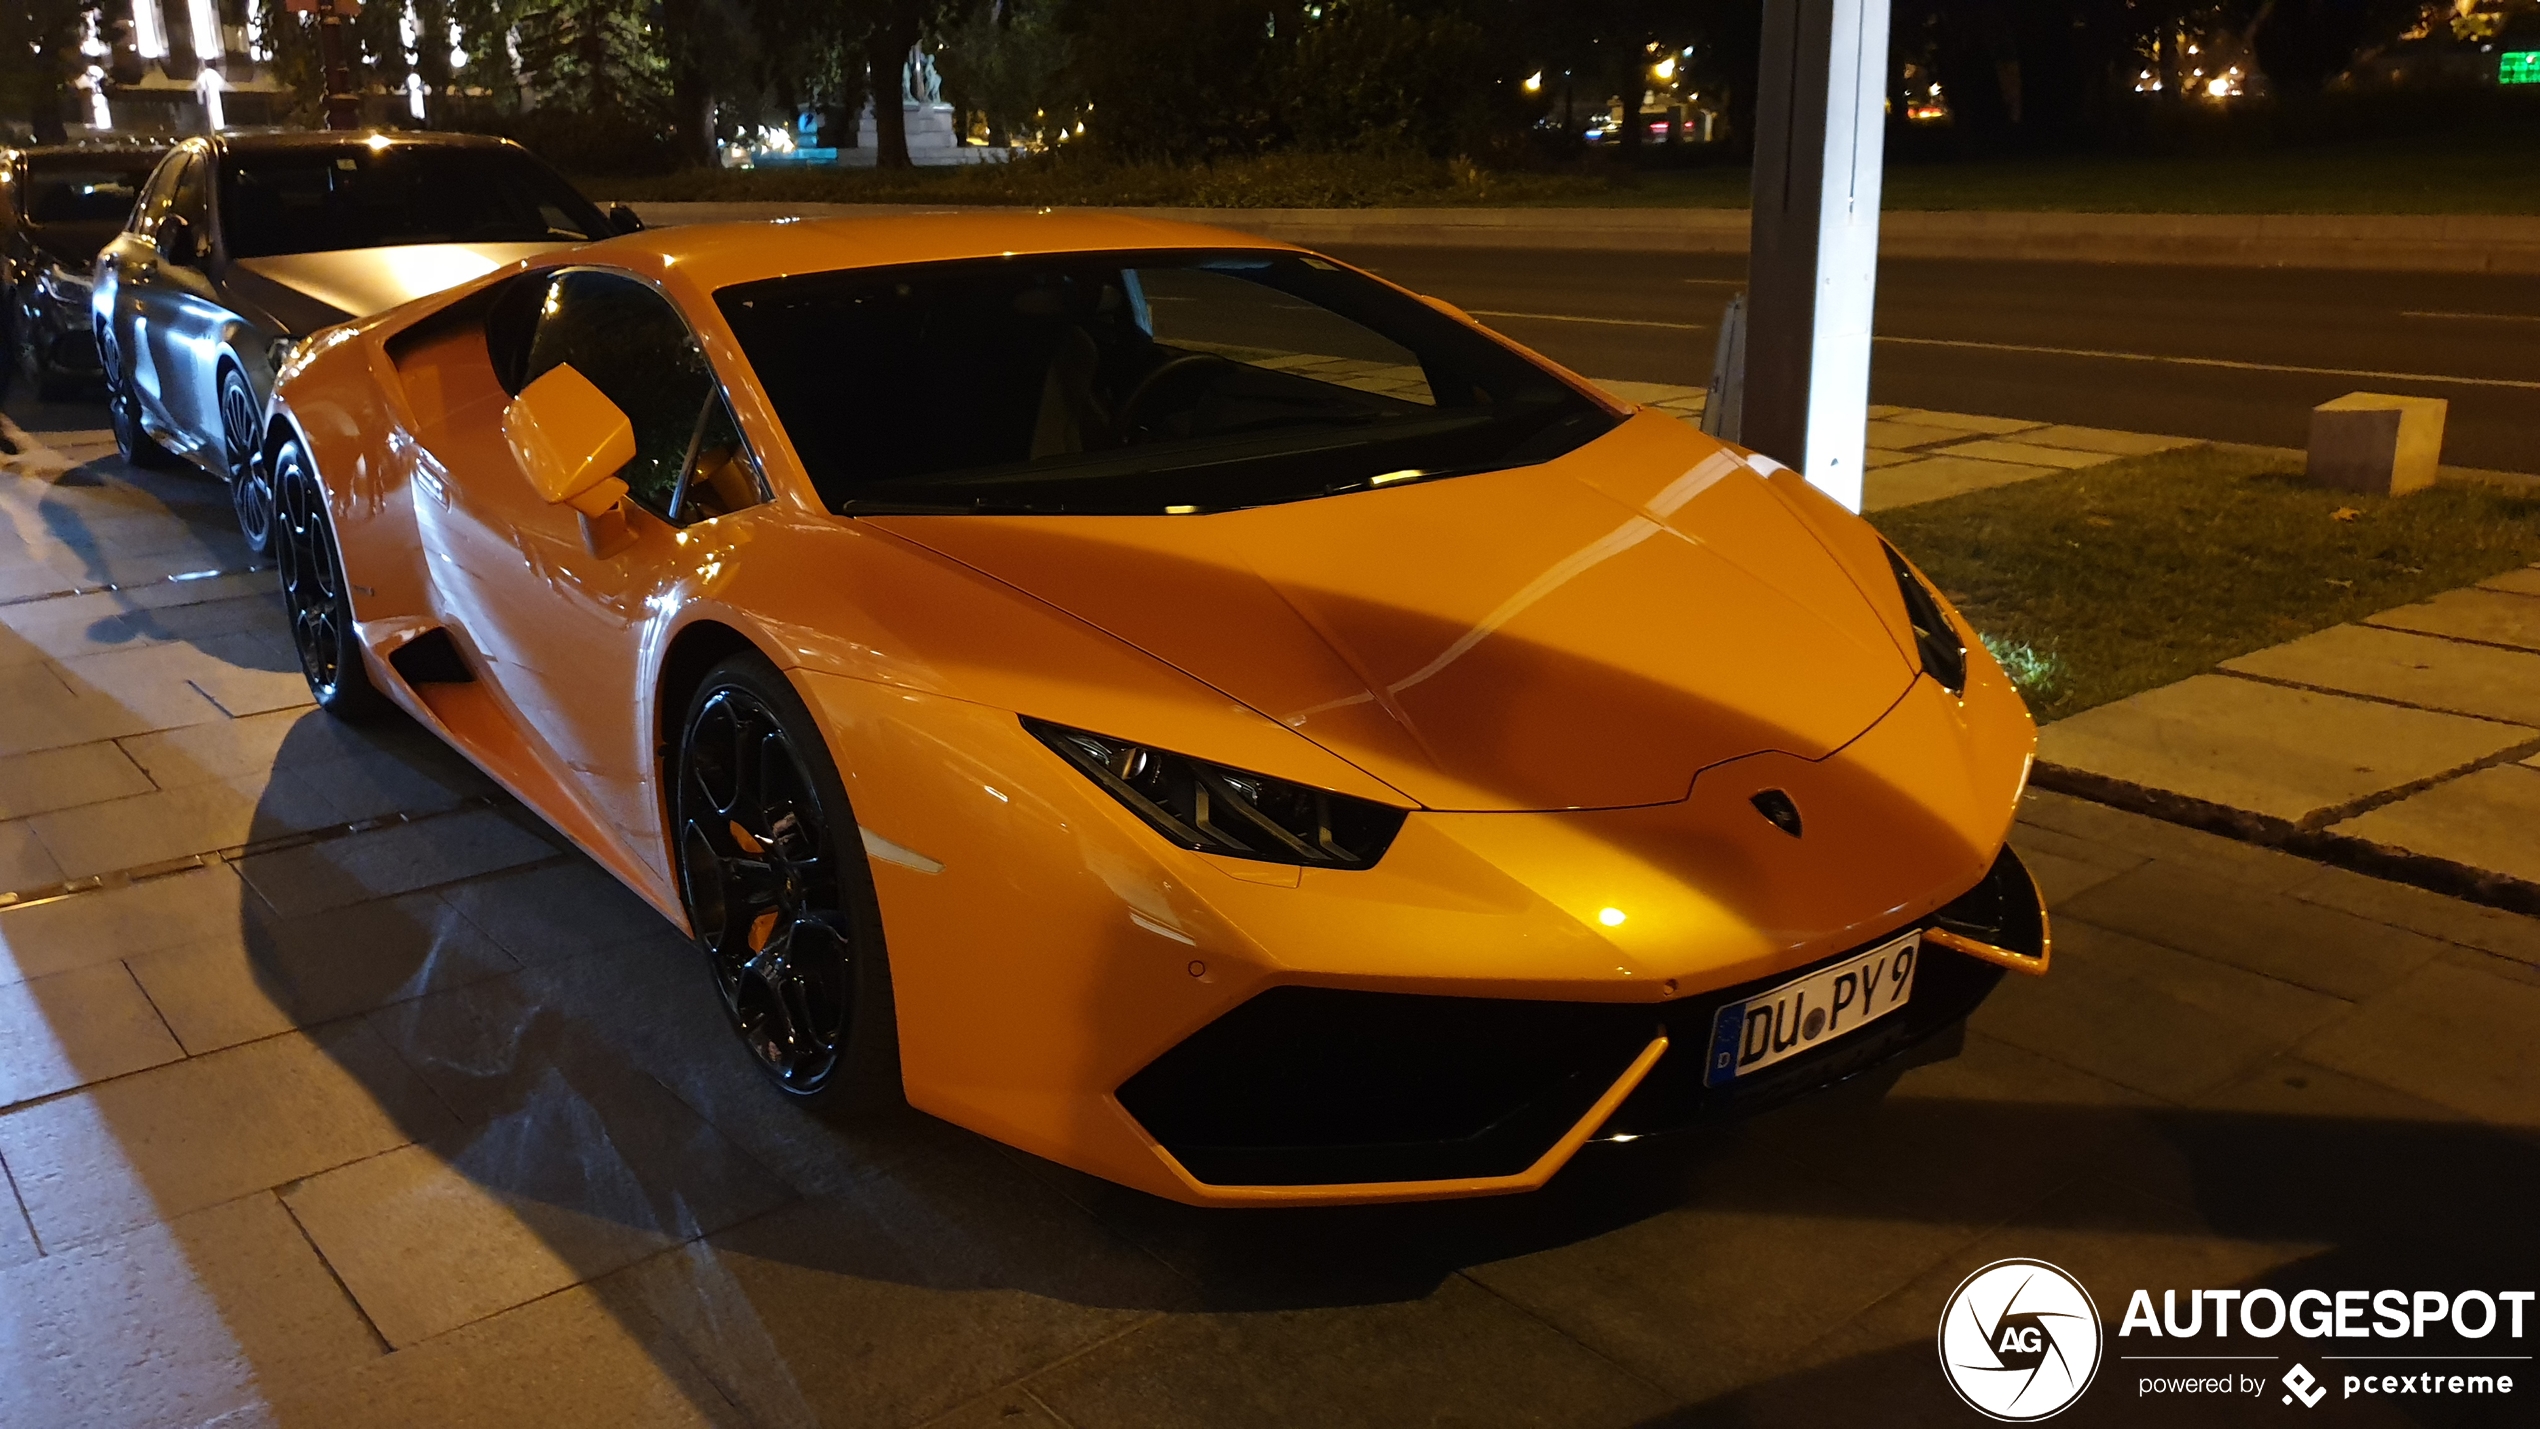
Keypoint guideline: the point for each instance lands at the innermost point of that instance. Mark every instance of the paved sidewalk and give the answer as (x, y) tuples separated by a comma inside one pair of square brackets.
[(2411, 737), (336, 1090)]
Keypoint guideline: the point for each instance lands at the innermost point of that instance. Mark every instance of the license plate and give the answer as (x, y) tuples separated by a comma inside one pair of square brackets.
[(1808, 1012)]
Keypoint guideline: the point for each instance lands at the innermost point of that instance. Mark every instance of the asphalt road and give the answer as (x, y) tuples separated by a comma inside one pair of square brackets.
[(2224, 354)]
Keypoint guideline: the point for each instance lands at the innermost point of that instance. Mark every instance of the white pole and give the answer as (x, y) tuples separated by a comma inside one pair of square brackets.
[(1821, 116)]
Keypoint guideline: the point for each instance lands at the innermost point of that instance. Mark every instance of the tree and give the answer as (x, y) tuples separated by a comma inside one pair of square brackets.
[(39, 57), (2303, 44)]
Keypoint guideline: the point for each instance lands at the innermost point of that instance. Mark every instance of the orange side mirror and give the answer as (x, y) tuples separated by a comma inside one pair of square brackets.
[(571, 440)]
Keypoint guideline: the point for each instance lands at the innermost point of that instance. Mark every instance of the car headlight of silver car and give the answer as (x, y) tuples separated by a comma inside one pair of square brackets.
[(1214, 809), (1944, 655)]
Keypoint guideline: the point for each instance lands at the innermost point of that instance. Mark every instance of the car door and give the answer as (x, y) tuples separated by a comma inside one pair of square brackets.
[(568, 623), (186, 317), (128, 274)]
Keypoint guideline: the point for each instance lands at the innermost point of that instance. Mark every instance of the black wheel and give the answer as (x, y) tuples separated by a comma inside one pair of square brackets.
[(778, 892), (250, 486), (313, 592), (123, 412)]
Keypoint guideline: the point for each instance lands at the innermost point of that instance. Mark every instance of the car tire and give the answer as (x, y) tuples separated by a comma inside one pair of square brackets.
[(778, 891), (123, 413), (315, 595), (250, 485)]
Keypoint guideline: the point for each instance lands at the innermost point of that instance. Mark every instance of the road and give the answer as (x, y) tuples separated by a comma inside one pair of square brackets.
[(2223, 354)]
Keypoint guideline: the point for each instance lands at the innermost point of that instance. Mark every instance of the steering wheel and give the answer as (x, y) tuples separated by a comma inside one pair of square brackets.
[(1127, 421)]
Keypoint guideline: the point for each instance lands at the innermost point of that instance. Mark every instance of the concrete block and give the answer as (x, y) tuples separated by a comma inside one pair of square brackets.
[(2376, 443)]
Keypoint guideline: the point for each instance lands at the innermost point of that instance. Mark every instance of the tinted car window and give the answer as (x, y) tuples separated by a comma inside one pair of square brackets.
[(155, 193), (636, 349), (190, 199), (81, 189), (317, 200), (1171, 381)]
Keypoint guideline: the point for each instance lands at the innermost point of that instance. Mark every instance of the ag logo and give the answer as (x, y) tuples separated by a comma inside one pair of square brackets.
[(2019, 1340)]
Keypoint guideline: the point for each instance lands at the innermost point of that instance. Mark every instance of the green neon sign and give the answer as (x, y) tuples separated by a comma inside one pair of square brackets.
[(2518, 67)]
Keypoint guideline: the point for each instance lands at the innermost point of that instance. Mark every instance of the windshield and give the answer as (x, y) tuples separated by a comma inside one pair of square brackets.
[(1166, 382), (317, 200), (83, 190)]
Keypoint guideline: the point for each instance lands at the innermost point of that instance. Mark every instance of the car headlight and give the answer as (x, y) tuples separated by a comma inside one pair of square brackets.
[(1944, 655), (62, 286), (280, 351), (1213, 809)]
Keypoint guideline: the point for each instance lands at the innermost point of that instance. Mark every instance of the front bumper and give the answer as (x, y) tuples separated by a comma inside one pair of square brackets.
[(1326, 1088), (65, 346)]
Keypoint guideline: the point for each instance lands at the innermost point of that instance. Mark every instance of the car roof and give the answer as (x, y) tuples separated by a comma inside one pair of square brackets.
[(86, 148), (718, 255), (277, 141)]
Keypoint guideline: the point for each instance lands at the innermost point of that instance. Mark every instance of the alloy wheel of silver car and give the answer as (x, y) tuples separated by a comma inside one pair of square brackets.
[(250, 486), (123, 411)]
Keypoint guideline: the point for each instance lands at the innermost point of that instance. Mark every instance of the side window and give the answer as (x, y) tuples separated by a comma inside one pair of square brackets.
[(191, 198), (155, 195), (633, 346)]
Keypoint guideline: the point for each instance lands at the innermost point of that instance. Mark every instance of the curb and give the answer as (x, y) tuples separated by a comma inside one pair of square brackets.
[(2395, 865), (2415, 243)]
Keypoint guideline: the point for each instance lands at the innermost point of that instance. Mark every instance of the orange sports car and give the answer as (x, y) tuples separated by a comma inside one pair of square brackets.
[(1166, 700)]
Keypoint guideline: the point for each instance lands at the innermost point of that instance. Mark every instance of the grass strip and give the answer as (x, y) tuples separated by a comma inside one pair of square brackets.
[(2099, 583)]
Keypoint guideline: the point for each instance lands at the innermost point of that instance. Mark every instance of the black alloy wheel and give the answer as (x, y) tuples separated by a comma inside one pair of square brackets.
[(250, 486), (778, 892), (123, 412), (313, 592)]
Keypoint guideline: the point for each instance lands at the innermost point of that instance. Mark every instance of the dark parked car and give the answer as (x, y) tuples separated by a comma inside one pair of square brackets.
[(242, 245), (59, 204)]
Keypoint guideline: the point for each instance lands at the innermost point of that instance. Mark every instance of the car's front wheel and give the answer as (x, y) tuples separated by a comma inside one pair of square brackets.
[(250, 485), (313, 592), (778, 893), (123, 412)]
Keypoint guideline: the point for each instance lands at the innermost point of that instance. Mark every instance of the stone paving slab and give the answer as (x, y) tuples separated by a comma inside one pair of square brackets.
[(2489, 819), (2522, 582), (2494, 617), (1896, 436), (2023, 452), (2407, 668), (1910, 483), (2284, 753), (175, 1323), (2100, 439)]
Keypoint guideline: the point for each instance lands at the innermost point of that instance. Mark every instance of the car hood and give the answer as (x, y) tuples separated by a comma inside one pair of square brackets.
[(357, 282), (1587, 633), (72, 245)]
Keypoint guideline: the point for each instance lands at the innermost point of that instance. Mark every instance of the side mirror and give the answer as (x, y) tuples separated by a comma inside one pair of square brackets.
[(178, 242), (571, 441), (623, 219)]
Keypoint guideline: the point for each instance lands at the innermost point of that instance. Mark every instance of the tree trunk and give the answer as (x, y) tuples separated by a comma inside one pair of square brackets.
[(893, 39), (1634, 86)]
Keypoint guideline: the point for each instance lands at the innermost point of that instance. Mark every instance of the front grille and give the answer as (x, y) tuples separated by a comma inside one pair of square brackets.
[(1327, 1086)]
